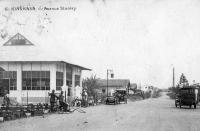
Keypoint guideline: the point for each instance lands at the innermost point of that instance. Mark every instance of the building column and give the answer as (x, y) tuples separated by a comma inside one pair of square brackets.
[(73, 82), (64, 74), (64, 87), (19, 82), (53, 77), (81, 84), (81, 80)]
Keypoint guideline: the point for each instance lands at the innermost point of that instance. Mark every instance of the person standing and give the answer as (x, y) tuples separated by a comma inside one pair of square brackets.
[(61, 101), (52, 100), (6, 101)]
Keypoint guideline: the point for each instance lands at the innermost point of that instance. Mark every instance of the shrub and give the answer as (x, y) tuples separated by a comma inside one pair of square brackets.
[(156, 93), (147, 95), (172, 95)]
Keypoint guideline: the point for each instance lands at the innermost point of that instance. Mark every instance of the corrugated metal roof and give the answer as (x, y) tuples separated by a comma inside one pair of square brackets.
[(113, 82), (24, 53)]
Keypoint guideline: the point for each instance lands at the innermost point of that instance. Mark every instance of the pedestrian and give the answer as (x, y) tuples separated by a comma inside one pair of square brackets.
[(52, 100), (61, 101), (6, 101), (142, 94), (84, 98)]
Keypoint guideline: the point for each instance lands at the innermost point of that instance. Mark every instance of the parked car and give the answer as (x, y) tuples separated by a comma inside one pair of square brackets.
[(111, 100), (187, 96), (121, 94)]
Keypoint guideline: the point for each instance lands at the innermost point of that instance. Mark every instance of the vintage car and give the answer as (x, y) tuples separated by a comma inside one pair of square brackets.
[(111, 100), (187, 96), (121, 94)]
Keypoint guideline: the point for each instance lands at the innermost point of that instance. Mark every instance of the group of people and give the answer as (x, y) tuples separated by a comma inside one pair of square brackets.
[(63, 106), (6, 101)]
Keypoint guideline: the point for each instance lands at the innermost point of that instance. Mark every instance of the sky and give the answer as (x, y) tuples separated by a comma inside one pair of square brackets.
[(140, 40)]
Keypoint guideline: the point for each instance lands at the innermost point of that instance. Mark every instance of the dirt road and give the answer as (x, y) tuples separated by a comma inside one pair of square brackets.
[(157, 114)]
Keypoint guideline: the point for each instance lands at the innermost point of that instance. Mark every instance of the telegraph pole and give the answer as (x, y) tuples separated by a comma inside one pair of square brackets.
[(173, 82), (112, 75), (107, 82)]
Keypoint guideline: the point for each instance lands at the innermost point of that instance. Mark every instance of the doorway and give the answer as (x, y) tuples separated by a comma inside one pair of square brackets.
[(4, 87)]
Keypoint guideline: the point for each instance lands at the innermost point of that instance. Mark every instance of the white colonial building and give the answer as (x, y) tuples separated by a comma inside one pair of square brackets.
[(112, 85), (30, 74)]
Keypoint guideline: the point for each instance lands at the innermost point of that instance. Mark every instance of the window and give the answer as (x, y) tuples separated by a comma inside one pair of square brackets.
[(68, 79), (36, 80), (187, 91), (13, 84), (77, 80), (69, 92), (11, 76), (59, 80), (69, 76)]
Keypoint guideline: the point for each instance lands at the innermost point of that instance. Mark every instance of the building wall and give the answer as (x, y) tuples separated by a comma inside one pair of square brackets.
[(111, 90), (13, 66), (36, 96), (76, 90)]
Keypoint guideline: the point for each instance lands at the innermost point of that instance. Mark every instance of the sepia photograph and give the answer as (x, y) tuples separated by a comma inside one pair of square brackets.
[(99, 65)]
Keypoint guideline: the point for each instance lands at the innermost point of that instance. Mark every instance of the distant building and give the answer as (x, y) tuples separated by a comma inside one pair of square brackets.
[(133, 88), (29, 74), (147, 88), (113, 84)]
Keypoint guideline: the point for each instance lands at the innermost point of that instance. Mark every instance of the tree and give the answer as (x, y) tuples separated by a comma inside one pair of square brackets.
[(183, 81), (90, 85)]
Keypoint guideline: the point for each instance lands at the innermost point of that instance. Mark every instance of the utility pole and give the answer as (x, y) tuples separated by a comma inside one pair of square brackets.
[(112, 75), (173, 83), (107, 82)]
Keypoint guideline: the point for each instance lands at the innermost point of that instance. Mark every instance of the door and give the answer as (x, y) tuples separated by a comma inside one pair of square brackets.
[(4, 87)]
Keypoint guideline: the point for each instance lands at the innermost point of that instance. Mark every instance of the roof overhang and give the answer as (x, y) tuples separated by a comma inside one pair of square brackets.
[(81, 67), (73, 65)]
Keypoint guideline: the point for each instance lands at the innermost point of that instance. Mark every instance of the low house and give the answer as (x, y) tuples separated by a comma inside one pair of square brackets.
[(133, 88), (29, 74), (112, 85)]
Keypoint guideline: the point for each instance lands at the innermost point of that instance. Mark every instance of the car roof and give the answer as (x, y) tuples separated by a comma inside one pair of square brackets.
[(187, 88)]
